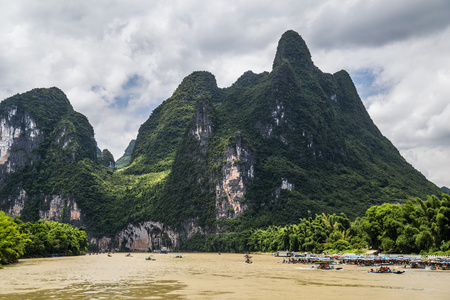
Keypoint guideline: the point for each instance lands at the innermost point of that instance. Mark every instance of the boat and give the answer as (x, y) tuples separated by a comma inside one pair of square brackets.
[(248, 259), (327, 266), (385, 270)]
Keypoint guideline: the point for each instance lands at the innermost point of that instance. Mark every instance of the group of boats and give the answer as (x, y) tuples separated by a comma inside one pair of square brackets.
[(385, 270), (384, 263)]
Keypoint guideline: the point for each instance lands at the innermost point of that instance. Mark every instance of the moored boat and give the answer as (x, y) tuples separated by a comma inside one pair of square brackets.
[(327, 266), (385, 270)]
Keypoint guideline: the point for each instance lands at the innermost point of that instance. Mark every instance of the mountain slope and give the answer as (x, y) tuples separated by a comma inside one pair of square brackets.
[(124, 161), (271, 148), (45, 145)]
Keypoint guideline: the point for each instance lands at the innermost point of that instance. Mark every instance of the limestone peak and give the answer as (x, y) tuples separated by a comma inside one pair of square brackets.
[(292, 48)]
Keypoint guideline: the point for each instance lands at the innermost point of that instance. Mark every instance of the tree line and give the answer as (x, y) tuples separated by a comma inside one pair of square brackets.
[(416, 226), (40, 239)]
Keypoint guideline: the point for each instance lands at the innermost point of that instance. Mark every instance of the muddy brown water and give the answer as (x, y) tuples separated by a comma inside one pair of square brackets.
[(208, 276)]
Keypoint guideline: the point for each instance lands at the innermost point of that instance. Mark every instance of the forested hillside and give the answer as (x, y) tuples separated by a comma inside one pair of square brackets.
[(267, 151)]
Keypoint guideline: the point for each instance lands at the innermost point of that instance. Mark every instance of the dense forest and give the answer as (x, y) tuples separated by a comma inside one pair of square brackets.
[(414, 227), (40, 239)]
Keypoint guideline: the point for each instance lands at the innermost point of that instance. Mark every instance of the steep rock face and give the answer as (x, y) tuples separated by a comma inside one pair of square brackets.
[(41, 142), (18, 204), (60, 209), (237, 171), (147, 236), (202, 129), (19, 136)]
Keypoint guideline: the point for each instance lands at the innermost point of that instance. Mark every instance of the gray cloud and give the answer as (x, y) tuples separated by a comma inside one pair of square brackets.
[(117, 60), (377, 23)]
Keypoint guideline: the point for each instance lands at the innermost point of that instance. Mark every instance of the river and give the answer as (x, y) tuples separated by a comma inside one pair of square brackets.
[(208, 276)]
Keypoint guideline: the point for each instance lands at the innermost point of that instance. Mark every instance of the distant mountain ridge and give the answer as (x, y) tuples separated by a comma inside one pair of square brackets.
[(268, 150), (124, 160)]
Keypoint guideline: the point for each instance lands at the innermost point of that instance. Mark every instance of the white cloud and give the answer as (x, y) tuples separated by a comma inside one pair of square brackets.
[(117, 60)]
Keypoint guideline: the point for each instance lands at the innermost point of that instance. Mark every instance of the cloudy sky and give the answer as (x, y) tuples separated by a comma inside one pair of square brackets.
[(117, 60)]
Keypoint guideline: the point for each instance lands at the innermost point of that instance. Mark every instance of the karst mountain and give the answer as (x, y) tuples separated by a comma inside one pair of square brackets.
[(270, 149)]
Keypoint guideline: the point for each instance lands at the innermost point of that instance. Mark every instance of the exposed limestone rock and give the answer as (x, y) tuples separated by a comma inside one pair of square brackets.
[(104, 243), (17, 140), (202, 129), (75, 212), (237, 171), (66, 141), (278, 115), (56, 204), (285, 185), (147, 236), (58, 209), (18, 204)]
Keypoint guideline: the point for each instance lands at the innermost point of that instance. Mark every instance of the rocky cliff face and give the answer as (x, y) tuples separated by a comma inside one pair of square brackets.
[(202, 130), (146, 236), (41, 137), (60, 208), (19, 136), (237, 172)]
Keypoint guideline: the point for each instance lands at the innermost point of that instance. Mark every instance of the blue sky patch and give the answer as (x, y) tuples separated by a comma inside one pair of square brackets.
[(364, 80)]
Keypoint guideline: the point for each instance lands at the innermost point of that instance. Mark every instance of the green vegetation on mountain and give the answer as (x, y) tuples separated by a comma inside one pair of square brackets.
[(269, 150), (416, 227), (107, 159), (302, 125), (124, 161)]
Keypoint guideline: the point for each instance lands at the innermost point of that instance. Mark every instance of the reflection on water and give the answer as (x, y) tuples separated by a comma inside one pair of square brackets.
[(208, 276)]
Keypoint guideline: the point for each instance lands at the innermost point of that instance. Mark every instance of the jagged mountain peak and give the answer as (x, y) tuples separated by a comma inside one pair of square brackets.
[(44, 97), (249, 78), (292, 48), (47, 106), (198, 83)]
